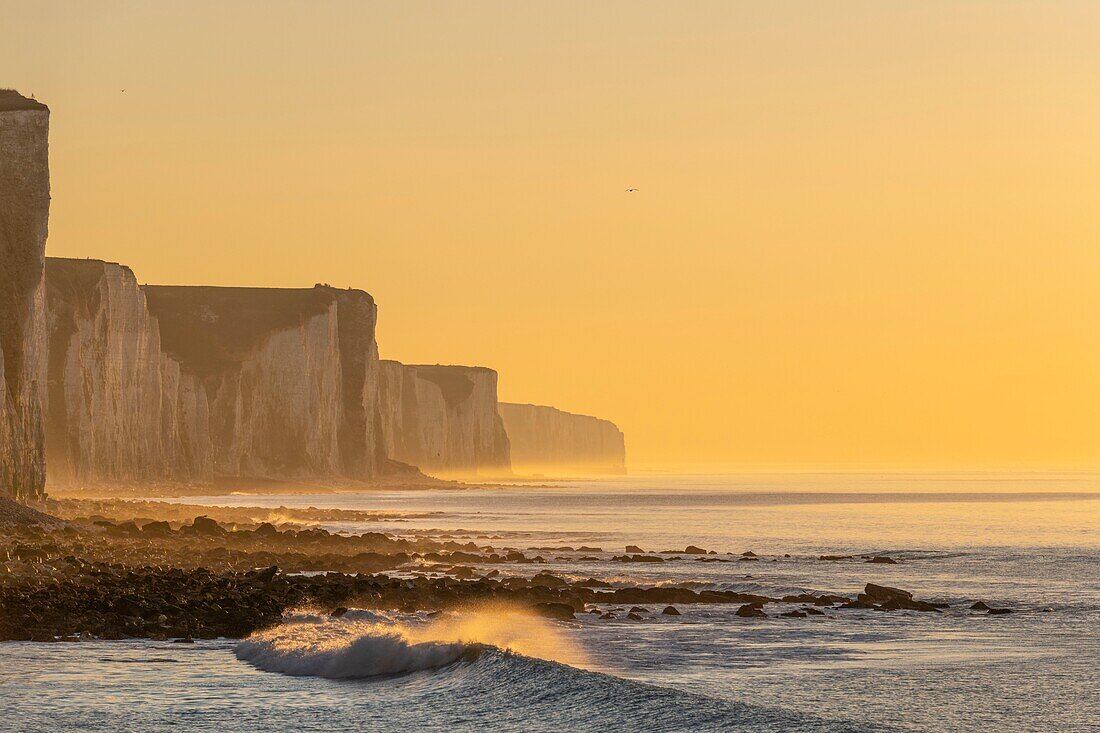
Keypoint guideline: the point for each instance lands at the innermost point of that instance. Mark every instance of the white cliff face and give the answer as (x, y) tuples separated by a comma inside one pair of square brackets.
[(545, 438), (442, 419), (119, 409), (24, 216), (291, 376), (277, 414)]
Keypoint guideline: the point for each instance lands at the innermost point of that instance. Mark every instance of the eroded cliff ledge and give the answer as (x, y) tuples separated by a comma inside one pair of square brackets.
[(118, 408), (290, 376), (442, 419), (546, 438), (24, 216)]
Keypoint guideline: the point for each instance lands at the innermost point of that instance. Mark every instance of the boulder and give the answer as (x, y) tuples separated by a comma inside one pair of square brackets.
[(670, 611), (884, 593), (206, 527), (562, 611), (750, 610)]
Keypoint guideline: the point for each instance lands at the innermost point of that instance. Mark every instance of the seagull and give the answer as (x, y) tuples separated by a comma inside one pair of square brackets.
[(123, 91), (631, 190)]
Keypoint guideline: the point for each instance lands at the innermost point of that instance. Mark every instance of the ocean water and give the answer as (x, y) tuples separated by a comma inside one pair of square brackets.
[(1026, 542)]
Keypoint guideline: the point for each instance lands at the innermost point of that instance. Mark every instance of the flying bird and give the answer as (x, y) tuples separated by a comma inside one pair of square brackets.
[(122, 91), (630, 190)]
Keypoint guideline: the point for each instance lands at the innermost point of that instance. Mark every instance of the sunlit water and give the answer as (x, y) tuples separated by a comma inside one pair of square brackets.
[(1027, 542)]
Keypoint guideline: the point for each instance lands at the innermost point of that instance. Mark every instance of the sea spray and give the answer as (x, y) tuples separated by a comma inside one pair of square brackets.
[(370, 644)]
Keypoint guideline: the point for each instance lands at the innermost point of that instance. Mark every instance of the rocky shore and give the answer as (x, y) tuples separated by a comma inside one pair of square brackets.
[(134, 574)]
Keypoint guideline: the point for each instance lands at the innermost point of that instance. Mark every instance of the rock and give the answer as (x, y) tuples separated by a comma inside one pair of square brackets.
[(979, 606), (794, 614), (639, 609), (670, 611), (637, 558), (607, 616), (266, 530), (750, 553), (338, 611), (634, 550), (546, 580), (835, 557), (811, 611), (693, 550), (882, 560), (157, 529), (206, 526), (998, 611), (592, 583), (883, 593), (562, 611), (750, 610), (633, 616)]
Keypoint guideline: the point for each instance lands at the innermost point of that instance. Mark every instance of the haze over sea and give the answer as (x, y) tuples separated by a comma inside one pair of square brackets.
[(1027, 542)]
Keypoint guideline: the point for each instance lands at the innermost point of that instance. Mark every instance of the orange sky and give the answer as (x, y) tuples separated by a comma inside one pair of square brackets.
[(867, 233)]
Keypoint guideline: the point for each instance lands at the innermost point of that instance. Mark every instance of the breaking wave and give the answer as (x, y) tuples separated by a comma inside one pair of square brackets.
[(367, 644)]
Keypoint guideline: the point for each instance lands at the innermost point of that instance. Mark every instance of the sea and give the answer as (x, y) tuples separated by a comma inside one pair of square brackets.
[(1025, 542)]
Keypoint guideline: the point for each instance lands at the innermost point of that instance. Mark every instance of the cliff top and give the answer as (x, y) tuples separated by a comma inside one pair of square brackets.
[(518, 405), (207, 327), (13, 101), (441, 367)]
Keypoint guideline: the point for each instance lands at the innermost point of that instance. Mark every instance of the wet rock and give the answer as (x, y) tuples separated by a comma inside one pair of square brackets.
[(835, 557), (607, 616), (883, 593), (670, 611), (555, 610), (547, 580), (634, 550), (750, 610), (794, 614), (693, 550), (637, 558), (634, 617), (998, 611), (979, 606), (592, 583), (749, 553), (882, 560), (639, 609)]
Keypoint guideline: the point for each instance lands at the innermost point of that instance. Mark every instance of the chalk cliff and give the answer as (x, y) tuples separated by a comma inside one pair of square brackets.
[(548, 438), (24, 216), (290, 375), (442, 419), (118, 408)]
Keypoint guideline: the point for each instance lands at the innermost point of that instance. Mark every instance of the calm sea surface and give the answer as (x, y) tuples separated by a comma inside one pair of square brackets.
[(1026, 542)]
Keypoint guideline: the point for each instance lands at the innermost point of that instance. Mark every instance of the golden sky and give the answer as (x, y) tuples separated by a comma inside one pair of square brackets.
[(866, 233)]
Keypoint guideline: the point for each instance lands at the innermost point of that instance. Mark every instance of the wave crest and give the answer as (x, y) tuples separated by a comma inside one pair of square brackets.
[(369, 644)]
